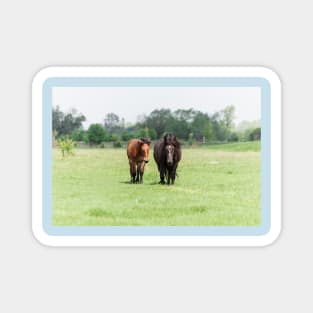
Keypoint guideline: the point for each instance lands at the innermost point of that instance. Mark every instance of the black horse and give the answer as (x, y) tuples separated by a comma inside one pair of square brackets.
[(167, 154)]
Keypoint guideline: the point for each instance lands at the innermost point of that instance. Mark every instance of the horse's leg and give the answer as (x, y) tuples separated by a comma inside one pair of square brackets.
[(130, 171), (168, 176), (173, 173), (142, 169), (132, 167), (137, 172), (134, 172), (162, 174)]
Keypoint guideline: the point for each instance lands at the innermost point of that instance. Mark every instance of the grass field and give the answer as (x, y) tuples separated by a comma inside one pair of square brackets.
[(217, 185)]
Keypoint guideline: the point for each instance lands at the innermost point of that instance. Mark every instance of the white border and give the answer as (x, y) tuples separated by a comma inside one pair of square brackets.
[(37, 183)]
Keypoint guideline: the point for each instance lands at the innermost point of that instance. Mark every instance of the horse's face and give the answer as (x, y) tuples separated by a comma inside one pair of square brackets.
[(169, 151), (144, 148)]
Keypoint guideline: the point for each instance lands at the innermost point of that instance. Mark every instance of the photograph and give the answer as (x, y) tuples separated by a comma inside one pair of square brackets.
[(156, 155)]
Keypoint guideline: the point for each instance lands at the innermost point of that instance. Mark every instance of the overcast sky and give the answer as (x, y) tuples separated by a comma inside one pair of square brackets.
[(131, 102)]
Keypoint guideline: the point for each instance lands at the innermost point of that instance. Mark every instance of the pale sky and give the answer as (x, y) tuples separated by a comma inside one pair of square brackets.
[(131, 102)]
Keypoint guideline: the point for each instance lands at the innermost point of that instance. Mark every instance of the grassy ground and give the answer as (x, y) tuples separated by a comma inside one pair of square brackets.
[(219, 185), (238, 146)]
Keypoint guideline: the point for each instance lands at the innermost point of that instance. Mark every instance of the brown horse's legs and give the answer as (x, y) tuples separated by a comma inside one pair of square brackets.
[(132, 167), (137, 173), (141, 171)]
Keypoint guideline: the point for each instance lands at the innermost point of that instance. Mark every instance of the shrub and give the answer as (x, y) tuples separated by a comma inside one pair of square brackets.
[(255, 134), (233, 137), (117, 144), (115, 137), (252, 134), (66, 145)]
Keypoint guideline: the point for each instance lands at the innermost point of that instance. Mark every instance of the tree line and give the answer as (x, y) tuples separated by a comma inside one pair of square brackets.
[(188, 125)]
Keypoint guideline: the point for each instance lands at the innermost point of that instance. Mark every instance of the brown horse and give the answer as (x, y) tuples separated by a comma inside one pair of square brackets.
[(138, 156)]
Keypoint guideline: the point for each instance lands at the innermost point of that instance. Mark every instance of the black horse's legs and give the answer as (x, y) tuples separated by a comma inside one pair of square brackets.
[(168, 176), (173, 173), (162, 175)]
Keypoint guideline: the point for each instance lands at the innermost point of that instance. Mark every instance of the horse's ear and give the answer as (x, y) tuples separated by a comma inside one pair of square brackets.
[(164, 138), (148, 141)]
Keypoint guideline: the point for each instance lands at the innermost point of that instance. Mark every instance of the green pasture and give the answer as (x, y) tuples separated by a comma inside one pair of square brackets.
[(216, 185)]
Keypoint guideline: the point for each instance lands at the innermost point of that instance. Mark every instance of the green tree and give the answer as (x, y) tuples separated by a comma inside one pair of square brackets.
[(233, 137), (57, 119), (66, 124), (185, 115), (223, 123), (208, 132), (159, 120), (96, 133), (190, 139), (182, 122), (80, 135), (228, 116), (125, 136), (255, 134), (143, 132), (112, 123), (146, 133), (152, 134), (219, 129), (199, 125)]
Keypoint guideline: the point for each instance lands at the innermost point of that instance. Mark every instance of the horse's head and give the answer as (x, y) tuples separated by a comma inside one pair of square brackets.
[(144, 144), (171, 144), (169, 151)]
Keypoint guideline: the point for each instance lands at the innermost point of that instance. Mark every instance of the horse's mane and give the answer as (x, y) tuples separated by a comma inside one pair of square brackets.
[(174, 140), (177, 144), (146, 140)]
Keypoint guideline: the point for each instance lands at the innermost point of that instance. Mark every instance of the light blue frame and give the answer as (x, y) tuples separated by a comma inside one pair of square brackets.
[(262, 229)]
